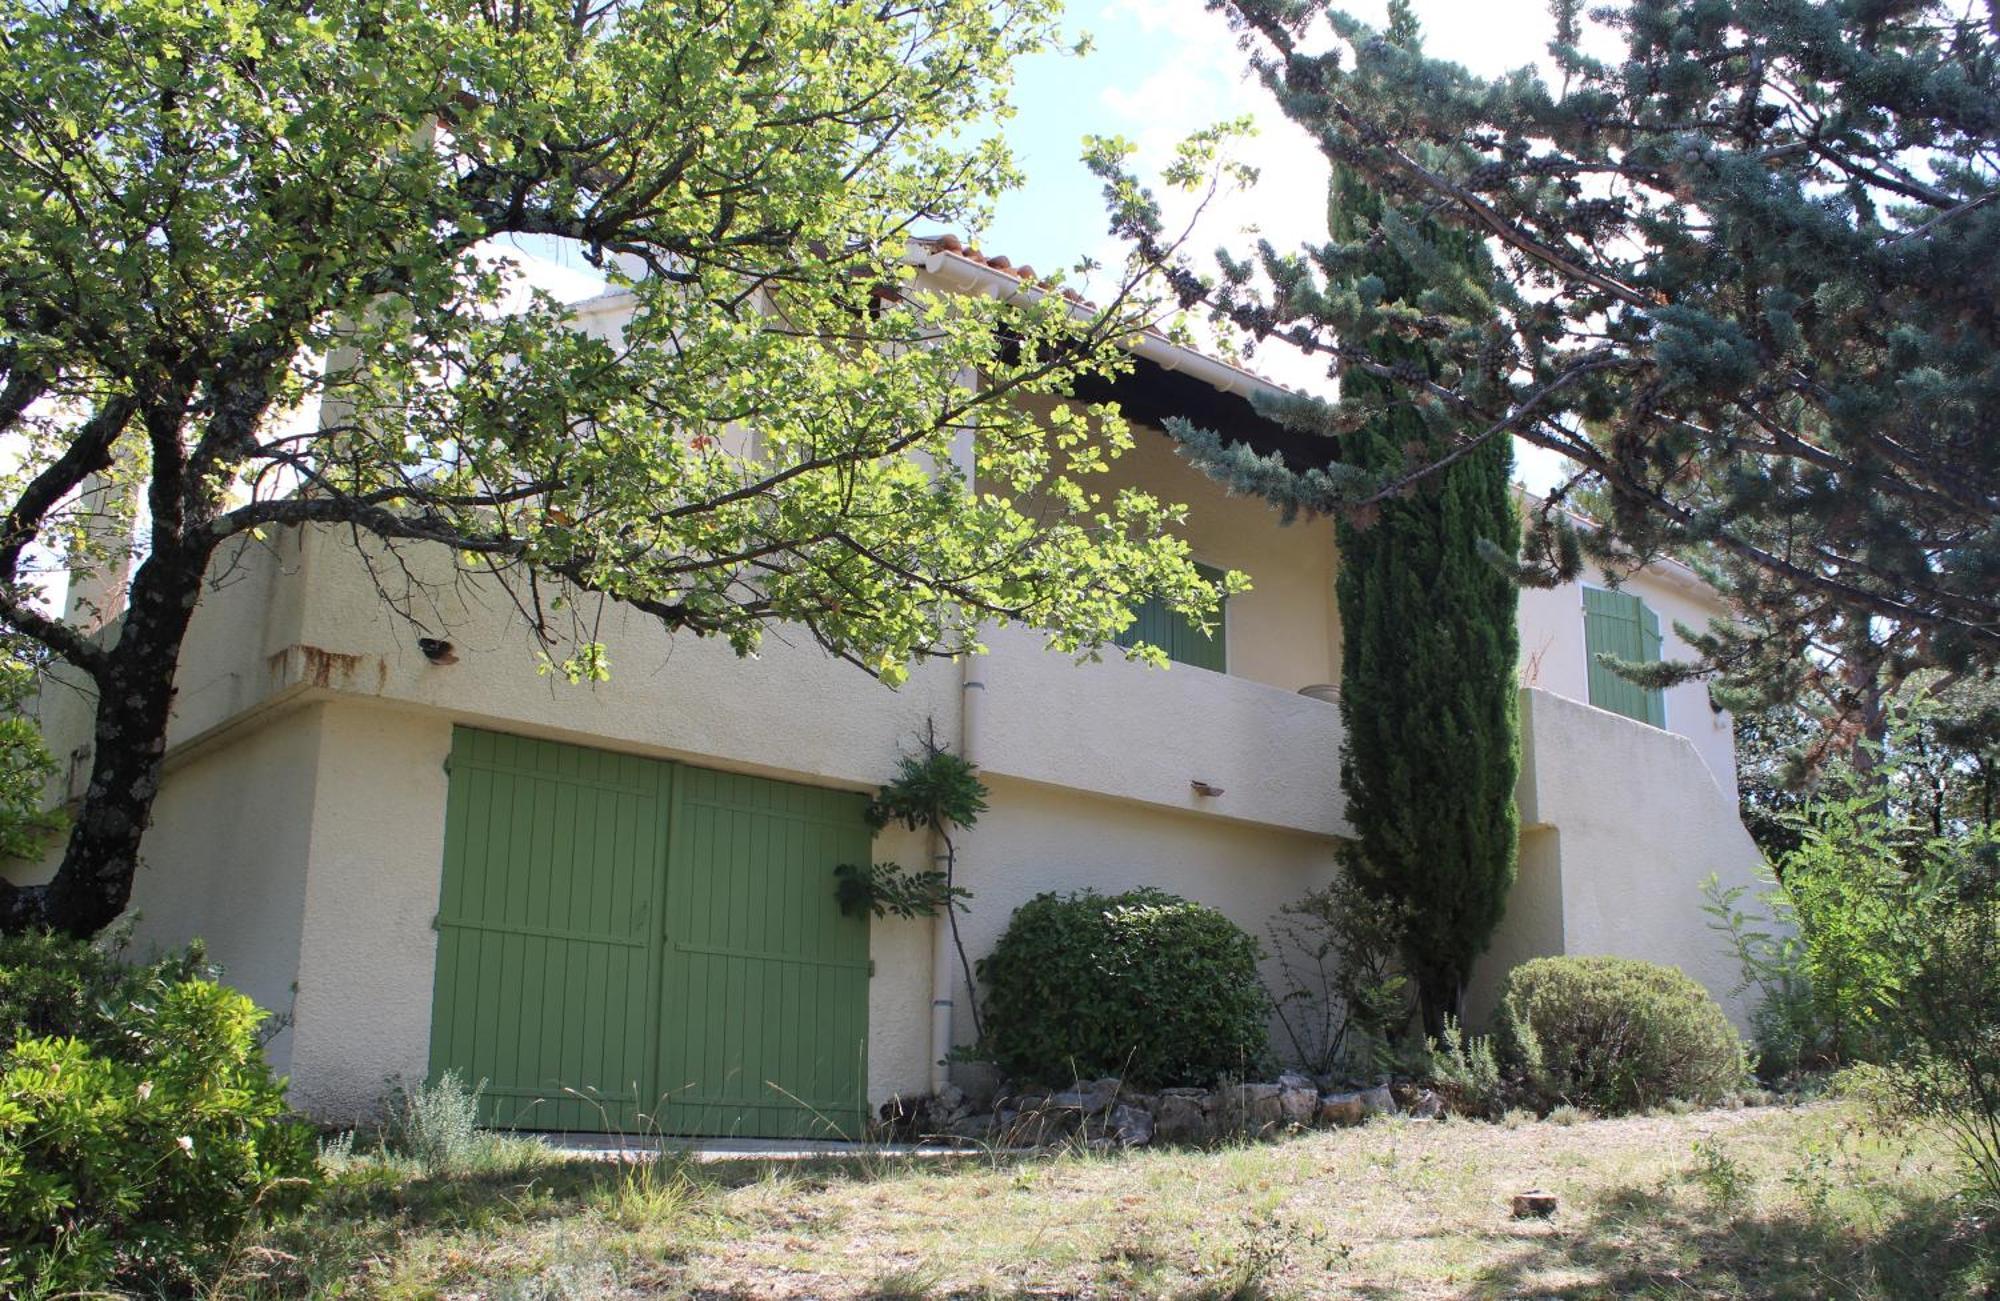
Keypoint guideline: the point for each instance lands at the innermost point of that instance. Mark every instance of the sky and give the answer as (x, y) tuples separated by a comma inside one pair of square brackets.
[(1158, 71), (1162, 69)]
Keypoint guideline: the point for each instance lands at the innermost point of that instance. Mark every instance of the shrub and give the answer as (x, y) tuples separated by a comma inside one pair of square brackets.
[(1829, 954), (1786, 1027), (1341, 999), (1946, 1069), (1466, 1068), (437, 1124), (54, 986), (139, 1160), (1617, 1034), (1146, 986)]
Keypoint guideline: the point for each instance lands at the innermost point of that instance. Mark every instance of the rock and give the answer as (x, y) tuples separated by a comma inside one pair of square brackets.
[(1032, 1127), (1090, 1099), (1131, 1126), (1427, 1105), (900, 1114), (1378, 1101), (1342, 1109), (1023, 1099), (977, 1128), (1252, 1107), (950, 1098), (1182, 1116), (1298, 1099), (1534, 1204), (981, 1083)]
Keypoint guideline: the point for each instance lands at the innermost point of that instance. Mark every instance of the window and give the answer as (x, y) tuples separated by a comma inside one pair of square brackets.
[(1179, 636), (1619, 624)]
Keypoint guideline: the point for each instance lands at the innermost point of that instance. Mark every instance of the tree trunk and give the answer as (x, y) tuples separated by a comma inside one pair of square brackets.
[(1439, 994), (135, 695)]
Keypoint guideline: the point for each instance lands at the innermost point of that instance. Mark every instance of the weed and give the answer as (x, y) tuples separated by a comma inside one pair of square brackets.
[(911, 1283), (437, 1124), (650, 1194), (1721, 1176), (1242, 1270), (1811, 1180), (337, 1149)]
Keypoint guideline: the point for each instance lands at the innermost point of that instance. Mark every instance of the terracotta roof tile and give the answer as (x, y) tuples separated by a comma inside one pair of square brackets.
[(949, 243)]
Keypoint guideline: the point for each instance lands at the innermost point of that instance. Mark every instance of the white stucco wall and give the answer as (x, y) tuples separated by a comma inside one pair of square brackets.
[(1037, 838), (1284, 631), (367, 955), (1124, 730), (1553, 657), (1628, 821), (1532, 926), (224, 860)]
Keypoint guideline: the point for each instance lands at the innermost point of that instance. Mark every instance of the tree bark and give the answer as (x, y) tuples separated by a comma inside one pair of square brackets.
[(1440, 994), (135, 686)]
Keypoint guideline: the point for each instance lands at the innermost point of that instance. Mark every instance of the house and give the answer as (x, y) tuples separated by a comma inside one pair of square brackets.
[(599, 898)]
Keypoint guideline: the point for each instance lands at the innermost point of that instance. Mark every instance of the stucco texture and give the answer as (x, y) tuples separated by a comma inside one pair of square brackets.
[(1039, 838), (1623, 822), (224, 861)]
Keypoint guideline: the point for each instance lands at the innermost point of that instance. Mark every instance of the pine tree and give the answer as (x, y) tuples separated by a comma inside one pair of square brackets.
[(1744, 279)]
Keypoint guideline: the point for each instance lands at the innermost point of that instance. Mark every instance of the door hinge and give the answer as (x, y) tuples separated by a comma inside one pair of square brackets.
[(871, 968)]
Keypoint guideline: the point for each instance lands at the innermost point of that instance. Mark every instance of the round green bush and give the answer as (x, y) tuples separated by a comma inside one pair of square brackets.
[(140, 1127), (1144, 986), (1618, 1035), (56, 987)]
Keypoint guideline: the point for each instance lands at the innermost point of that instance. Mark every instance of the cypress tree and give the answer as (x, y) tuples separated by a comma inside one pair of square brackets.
[(1745, 275), (1426, 586), (1429, 687)]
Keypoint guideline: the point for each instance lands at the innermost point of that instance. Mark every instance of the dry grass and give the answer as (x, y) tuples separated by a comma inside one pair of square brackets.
[(1803, 1202)]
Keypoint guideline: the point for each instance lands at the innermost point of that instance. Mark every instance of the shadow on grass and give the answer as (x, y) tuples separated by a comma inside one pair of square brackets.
[(1650, 1242), (369, 1213)]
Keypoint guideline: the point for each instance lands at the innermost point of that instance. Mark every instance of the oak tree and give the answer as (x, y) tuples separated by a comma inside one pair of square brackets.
[(255, 274)]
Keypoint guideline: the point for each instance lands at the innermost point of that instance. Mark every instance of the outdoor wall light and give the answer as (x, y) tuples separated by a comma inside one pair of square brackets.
[(437, 651), (1204, 788)]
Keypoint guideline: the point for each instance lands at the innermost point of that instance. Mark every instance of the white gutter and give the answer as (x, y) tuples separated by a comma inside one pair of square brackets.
[(965, 275), (944, 969)]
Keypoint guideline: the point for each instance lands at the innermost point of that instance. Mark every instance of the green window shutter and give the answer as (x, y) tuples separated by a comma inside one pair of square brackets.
[(1649, 653), (1619, 624), (1179, 636)]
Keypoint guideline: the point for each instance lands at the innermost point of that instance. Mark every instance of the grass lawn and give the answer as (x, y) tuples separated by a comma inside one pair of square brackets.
[(1770, 1202)]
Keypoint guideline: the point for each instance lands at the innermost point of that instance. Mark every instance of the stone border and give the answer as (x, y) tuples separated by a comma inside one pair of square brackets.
[(1103, 1113)]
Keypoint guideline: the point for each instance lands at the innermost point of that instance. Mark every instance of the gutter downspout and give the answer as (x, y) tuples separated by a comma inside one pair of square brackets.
[(942, 979)]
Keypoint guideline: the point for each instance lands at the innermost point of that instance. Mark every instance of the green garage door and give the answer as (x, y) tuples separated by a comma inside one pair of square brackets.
[(625, 944)]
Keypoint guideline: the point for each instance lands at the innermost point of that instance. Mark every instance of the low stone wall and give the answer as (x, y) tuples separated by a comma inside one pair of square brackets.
[(1104, 1113)]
